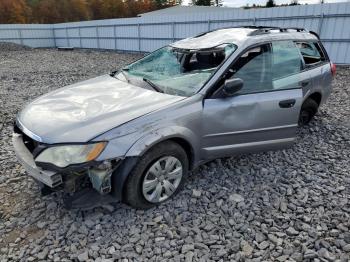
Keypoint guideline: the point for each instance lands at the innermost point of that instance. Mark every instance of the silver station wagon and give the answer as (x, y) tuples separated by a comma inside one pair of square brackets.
[(134, 135)]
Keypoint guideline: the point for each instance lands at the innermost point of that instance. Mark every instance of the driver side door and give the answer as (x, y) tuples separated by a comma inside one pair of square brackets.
[(263, 115)]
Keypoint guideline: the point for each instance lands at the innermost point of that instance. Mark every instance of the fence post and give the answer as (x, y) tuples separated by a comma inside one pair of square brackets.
[(67, 38), (20, 36), (54, 36), (254, 21), (320, 24), (208, 24), (139, 36), (115, 38), (80, 41), (173, 31), (97, 38)]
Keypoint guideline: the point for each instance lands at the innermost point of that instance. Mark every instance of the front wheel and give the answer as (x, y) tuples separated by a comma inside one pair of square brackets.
[(158, 176), (307, 112)]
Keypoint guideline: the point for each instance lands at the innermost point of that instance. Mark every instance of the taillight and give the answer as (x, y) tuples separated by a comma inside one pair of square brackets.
[(333, 69)]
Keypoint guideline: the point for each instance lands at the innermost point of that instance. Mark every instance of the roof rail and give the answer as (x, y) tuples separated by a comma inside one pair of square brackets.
[(239, 26), (259, 30), (266, 29)]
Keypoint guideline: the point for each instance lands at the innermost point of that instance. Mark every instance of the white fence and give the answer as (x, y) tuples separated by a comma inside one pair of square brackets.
[(147, 33)]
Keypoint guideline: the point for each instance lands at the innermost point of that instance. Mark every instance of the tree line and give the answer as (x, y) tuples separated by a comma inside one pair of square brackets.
[(59, 11), (269, 3)]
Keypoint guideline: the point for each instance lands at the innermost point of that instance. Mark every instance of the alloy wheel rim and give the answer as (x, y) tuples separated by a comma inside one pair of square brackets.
[(162, 179)]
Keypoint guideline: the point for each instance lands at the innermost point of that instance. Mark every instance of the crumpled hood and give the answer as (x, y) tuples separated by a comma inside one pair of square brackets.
[(80, 112)]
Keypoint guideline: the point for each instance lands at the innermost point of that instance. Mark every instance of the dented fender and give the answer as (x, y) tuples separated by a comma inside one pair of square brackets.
[(143, 144), (157, 136)]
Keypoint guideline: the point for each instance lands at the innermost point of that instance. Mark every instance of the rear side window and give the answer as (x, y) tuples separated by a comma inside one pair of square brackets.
[(286, 59), (311, 53)]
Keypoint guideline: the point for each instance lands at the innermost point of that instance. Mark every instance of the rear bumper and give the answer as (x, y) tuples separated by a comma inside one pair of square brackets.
[(49, 178)]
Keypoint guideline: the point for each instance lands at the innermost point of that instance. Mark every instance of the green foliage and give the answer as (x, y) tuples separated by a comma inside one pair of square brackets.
[(202, 2), (294, 2), (160, 3), (207, 2), (270, 3)]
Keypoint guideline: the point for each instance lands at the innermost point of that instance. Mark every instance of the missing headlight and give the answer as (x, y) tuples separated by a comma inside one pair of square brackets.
[(100, 176)]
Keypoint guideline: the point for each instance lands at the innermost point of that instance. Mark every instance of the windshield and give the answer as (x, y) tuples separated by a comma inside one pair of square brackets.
[(177, 71)]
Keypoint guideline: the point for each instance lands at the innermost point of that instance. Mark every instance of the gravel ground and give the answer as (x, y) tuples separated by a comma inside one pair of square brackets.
[(288, 205)]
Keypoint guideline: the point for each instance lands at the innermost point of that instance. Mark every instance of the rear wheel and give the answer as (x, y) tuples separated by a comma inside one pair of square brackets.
[(307, 112), (158, 176)]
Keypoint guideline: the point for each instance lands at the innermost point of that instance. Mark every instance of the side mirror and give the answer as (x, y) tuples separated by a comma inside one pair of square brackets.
[(232, 86)]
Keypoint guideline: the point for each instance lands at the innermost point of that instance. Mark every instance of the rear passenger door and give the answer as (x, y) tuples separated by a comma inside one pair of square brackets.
[(263, 115), (318, 67)]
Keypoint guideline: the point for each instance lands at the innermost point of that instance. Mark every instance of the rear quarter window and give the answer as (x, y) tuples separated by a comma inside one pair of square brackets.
[(311, 52)]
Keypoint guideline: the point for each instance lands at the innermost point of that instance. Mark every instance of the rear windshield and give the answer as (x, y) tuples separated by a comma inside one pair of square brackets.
[(178, 71)]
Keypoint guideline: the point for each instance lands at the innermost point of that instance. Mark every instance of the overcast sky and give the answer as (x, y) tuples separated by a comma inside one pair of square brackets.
[(239, 3)]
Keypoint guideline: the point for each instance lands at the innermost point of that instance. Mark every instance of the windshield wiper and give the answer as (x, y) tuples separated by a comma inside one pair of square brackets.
[(153, 85)]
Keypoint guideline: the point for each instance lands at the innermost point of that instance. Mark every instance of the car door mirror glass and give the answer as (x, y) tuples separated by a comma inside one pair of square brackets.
[(232, 86)]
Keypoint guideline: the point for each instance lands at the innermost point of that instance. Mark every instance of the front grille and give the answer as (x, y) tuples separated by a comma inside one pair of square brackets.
[(29, 142)]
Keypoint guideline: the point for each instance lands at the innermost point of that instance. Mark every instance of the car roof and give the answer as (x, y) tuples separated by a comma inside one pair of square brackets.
[(242, 36)]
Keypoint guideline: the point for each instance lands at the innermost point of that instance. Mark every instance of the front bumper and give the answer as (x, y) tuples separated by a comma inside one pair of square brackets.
[(78, 185), (24, 156)]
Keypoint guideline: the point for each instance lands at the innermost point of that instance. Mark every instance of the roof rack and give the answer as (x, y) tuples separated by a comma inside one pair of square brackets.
[(267, 29), (260, 30), (230, 27)]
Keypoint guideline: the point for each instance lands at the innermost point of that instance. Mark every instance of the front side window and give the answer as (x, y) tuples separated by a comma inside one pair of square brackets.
[(178, 71), (311, 52), (269, 67), (254, 68)]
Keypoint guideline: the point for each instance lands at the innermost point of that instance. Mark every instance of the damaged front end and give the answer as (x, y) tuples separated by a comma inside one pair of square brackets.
[(90, 187), (97, 177), (86, 184)]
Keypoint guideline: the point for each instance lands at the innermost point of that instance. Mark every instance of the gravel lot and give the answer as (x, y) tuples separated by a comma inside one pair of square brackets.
[(276, 206)]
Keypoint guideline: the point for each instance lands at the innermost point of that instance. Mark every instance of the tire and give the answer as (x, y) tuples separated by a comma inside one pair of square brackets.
[(307, 112), (136, 185)]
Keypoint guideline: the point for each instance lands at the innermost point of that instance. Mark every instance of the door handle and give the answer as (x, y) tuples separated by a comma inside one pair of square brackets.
[(287, 103)]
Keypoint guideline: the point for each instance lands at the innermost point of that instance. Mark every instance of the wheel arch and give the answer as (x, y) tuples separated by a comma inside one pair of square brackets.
[(316, 96), (183, 136)]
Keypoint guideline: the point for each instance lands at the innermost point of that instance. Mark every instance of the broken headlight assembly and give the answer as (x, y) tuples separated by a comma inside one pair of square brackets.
[(65, 155)]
